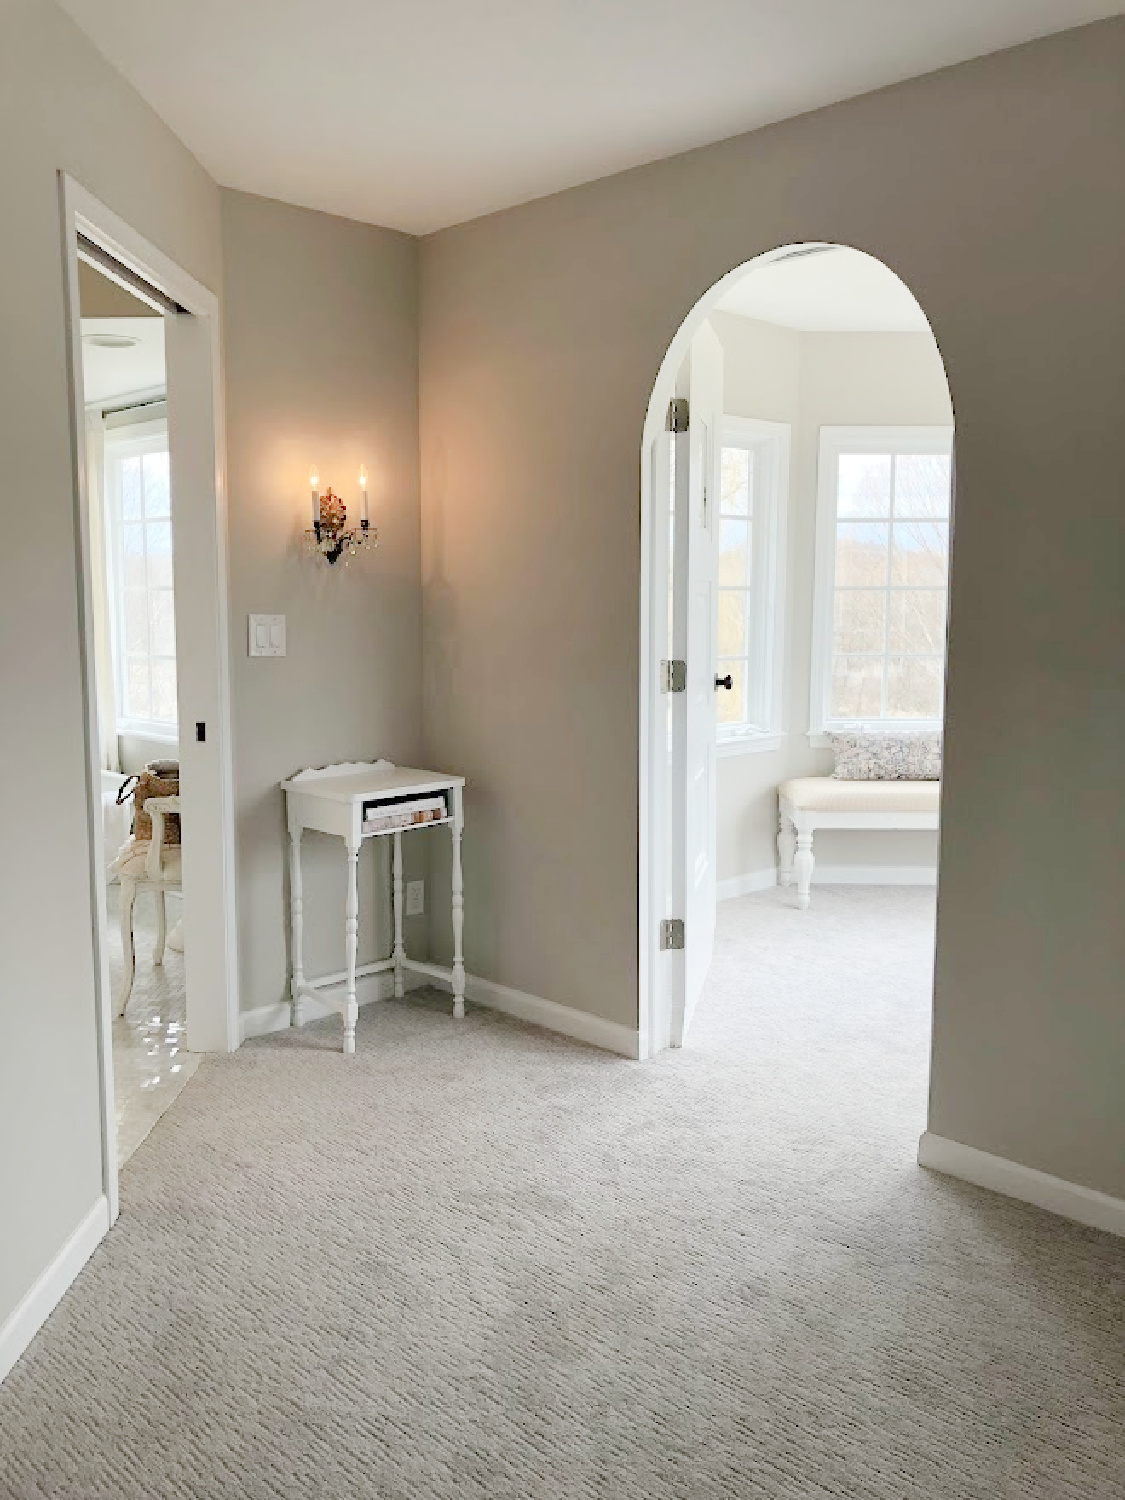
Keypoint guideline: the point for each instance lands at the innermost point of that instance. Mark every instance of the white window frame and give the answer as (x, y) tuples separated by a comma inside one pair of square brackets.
[(835, 441), (121, 442), (770, 442)]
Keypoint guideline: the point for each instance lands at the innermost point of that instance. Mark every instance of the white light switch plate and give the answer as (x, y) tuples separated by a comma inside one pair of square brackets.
[(415, 898), (267, 635)]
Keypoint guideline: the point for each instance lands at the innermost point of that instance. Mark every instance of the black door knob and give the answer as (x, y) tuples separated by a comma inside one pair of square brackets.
[(727, 682)]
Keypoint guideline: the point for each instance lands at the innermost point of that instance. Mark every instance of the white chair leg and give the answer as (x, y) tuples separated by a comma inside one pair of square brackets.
[(786, 848), (803, 864), (161, 928), (128, 899)]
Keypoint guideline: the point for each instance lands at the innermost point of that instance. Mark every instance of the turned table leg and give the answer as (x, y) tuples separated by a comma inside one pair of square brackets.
[(296, 925), (351, 939), (458, 890)]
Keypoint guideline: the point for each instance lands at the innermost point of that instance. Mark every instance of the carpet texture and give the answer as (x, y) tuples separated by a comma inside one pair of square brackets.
[(477, 1260)]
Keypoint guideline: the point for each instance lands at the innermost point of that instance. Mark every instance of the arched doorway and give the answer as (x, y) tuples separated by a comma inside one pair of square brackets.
[(895, 683)]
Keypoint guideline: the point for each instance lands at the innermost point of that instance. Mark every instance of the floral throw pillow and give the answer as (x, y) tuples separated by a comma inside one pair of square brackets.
[(887, 757)]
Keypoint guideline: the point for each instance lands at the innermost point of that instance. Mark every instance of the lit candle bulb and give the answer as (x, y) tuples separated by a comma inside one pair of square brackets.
[(314, 486), (363, 490)]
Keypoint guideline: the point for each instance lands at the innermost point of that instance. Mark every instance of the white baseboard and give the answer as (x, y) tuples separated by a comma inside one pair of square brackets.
[(45, 1295), (1055, 1194), (609, 1035), (763, 880), (745, 885), (267, 1018), (875, 875)]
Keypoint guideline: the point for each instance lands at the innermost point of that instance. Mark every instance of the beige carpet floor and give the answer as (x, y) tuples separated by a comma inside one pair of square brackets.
[(477, 1260)]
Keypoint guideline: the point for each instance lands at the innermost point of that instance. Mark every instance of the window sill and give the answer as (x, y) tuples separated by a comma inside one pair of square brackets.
[(749, 744)]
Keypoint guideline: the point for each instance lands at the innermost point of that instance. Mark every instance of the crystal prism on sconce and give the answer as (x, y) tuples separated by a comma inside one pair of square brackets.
[(329, 536)]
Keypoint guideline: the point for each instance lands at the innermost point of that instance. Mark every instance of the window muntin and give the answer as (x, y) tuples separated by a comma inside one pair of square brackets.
[(883, 564), (141, 572)]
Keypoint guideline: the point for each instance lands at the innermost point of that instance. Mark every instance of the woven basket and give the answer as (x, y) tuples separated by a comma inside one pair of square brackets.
[(160, 778)]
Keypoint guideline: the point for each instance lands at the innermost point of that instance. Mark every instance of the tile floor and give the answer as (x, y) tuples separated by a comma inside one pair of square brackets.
[(151, 1063)]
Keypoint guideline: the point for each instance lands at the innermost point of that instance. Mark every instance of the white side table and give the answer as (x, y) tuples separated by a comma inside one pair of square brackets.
[(339, 804)]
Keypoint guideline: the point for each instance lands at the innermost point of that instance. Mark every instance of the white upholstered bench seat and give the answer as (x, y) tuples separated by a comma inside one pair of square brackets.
[(825, 794), (807, 803)]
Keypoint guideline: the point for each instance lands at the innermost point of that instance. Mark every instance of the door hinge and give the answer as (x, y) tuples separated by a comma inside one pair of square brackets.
[(671, 933), (678, 415), (673, 676)]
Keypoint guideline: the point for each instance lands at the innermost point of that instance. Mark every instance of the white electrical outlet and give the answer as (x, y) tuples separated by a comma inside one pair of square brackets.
[(415, 898)]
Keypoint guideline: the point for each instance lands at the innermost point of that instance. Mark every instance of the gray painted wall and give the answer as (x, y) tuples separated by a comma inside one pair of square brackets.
[(320, 329), (992, 189), (61, 106)]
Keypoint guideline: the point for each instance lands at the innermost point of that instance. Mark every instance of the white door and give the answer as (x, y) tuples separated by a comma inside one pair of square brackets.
[(210, 955), (694, 624)]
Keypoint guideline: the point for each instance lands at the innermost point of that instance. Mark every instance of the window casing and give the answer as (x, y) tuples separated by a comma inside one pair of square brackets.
[(139, 538), (882, 571), (750, 537)]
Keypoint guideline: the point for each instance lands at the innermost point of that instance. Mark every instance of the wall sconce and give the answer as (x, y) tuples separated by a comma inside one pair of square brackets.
[(330, 536)]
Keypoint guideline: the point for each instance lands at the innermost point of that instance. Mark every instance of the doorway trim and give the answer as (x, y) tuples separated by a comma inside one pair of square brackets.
[(217, 1000)]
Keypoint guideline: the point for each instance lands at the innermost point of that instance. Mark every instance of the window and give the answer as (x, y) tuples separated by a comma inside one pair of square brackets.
[(751, 571), (138, 509), (882, 573)]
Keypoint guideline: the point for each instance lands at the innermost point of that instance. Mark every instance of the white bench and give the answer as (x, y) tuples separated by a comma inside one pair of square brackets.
[(810, 802)]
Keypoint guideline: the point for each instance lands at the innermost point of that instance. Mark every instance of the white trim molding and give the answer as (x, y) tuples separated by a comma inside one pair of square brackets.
[(746, 885), (750, 743), (764, 880), (610, 1036), (1068, 1199), (279, 1017), (875, 875), (596, 1031), (40, 1301)]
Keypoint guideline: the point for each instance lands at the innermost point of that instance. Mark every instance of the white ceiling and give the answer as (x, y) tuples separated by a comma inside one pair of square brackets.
[(109, 373), (837, 290), (418, 115)]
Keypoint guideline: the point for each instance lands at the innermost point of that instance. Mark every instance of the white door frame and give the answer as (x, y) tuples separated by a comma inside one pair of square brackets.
[(215, 1004), (654, 843)]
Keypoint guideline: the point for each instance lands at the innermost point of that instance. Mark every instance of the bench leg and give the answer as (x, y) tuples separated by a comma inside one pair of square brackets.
[(786, 848), (803, 864)]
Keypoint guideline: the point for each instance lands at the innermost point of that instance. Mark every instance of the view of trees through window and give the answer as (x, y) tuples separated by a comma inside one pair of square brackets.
[(889, 587)]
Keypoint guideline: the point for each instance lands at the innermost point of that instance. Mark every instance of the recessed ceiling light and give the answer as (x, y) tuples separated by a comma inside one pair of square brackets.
[(110, 340)]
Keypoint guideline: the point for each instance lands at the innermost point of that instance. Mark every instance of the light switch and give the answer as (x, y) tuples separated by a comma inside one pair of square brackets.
[(267, 635)]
